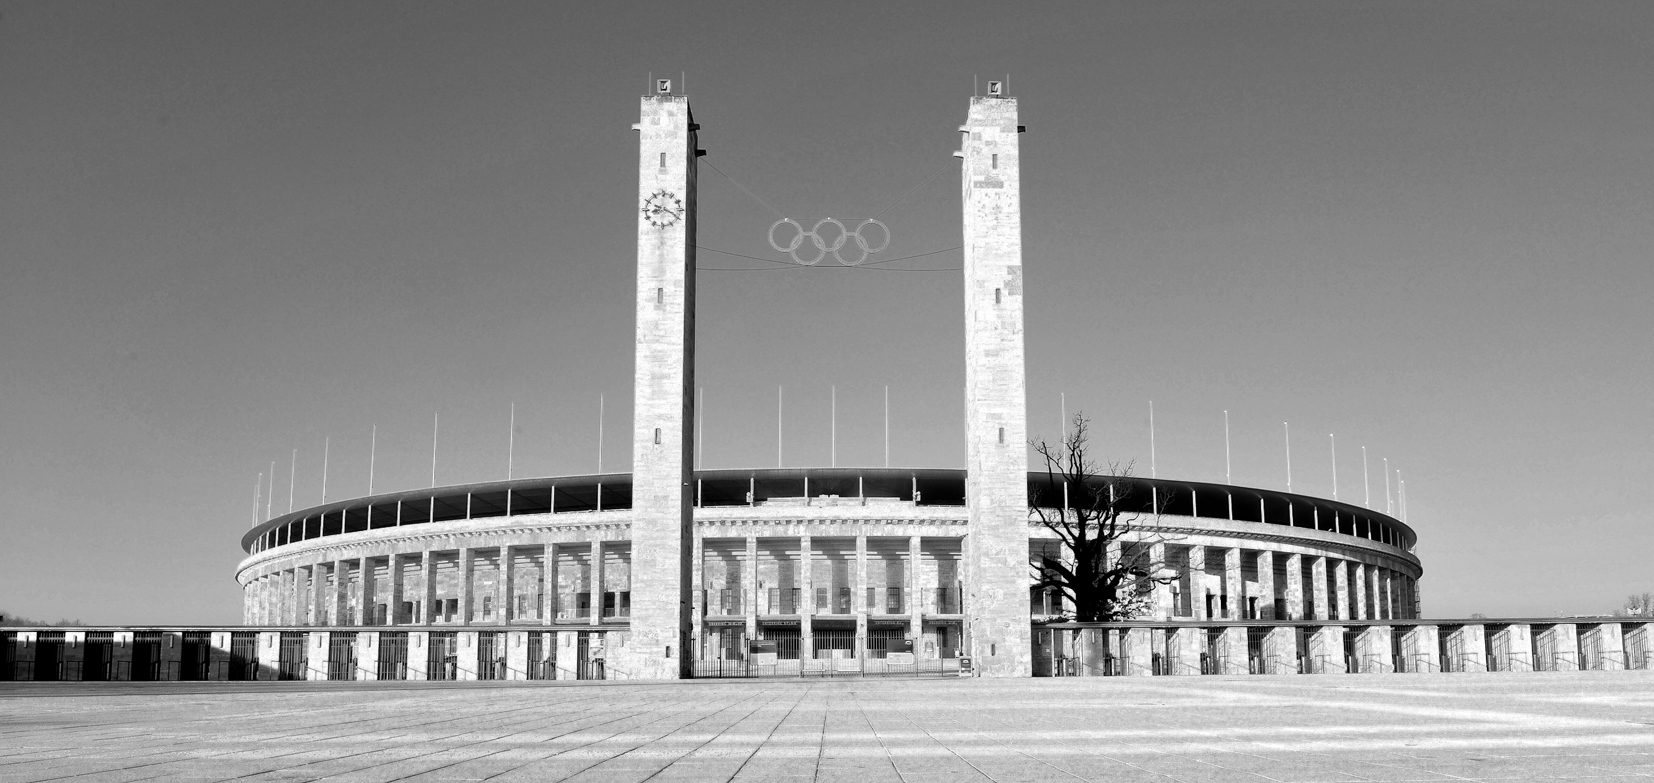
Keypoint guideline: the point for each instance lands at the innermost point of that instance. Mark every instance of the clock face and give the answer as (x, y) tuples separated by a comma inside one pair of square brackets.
[(662, 208)]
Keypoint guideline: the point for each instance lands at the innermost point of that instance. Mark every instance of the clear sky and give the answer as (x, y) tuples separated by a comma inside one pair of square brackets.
[(231, 230)]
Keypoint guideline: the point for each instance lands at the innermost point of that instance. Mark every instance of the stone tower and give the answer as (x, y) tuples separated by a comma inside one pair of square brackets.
[(996, 436), (663, 383)]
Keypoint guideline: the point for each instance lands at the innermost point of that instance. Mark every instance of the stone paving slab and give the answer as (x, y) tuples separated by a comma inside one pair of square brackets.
[(1581, 726)]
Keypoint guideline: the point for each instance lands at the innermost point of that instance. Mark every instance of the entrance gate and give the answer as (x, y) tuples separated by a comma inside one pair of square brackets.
[(146, 656), (195, 655), (441, 656), (48, 656), (341, 655), (541, 666), (95, 658), (491, 656), (589, 660), (293, 658), (393, 655), (243, 656)]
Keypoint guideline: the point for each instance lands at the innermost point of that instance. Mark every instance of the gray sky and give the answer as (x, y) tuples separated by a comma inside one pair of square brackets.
[(231, 230)]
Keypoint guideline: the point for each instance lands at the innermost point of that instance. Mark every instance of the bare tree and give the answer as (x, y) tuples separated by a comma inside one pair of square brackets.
[(1105, 567), (1638, 606)]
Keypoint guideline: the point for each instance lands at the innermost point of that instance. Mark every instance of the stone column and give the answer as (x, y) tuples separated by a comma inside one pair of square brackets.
[(1187, 642), (1326, 650), (1419, 645), (858, 597), (1280, 650), (749, 584), (369, 602), (663, 434), (1234, 584), (317, 657), (1359, 601), (467, 578), (1341, 588), (1610, 644), (548, 581), (427, 609), (319, 594), (505, 591), (419, 650), (1294, 588), (1163, 596), (1386, 608), (1139, 652), (394, 565), (340, 599), (1197, 583), (1266, 585), (1318, 579), (1373, 650), (1468, 646), (915, 604), (596, 592), (996, 451), (516, 655), (367, 655), (1232, 651), (301, 615), (1513, 648), (697, 602), (806, 633)]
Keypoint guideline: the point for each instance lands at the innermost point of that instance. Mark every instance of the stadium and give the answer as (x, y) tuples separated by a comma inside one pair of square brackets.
[(667, 572), (831, 565), (815, 567)]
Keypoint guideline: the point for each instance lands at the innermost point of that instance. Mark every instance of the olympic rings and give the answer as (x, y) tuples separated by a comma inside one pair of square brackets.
[(823, 247)]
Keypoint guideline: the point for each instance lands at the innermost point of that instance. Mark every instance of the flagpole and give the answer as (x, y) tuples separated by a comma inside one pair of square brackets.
[(373, 453), (1227, 476), (1288, 430), (511, 443), (326, 444), (1153, 473), (291, 479), (1334, 442), (1366, 485)]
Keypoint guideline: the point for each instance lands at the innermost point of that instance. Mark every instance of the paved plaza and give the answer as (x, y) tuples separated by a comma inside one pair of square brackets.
[(1572, 726)]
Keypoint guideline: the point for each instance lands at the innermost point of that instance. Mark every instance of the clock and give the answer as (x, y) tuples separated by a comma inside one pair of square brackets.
[(662, 208)]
